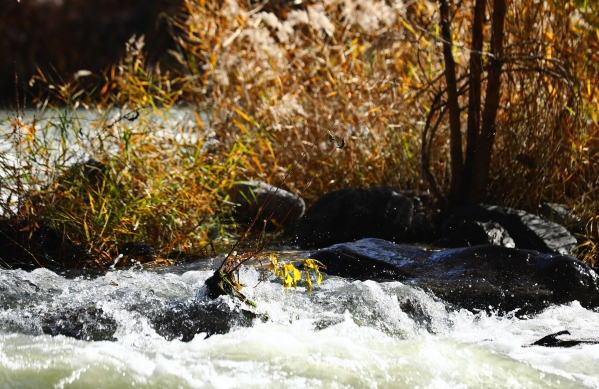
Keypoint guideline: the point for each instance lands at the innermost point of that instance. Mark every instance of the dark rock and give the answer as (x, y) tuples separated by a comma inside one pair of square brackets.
[(184, 319), (172, 320), (137, 251), (94, 170), (553, 341), (84, 323), (30, 244), (558, 213), (350, 214), (282, 207), (476, 278), (550, 340), (473, 233), (528, 231), (422, 228)]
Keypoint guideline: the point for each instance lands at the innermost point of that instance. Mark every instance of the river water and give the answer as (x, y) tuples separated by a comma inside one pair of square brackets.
[(346, 334)]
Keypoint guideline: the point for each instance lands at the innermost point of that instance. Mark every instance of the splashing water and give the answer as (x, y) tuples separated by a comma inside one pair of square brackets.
[(346, 334)]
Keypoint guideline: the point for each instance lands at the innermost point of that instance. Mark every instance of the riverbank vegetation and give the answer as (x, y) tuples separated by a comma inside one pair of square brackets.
[(257, 86)]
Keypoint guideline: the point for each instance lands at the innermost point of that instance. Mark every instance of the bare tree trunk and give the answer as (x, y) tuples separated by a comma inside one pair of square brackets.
[(474, 97), (484, 148), (452, 104)]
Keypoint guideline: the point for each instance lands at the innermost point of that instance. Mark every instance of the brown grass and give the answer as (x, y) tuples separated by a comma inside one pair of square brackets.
[(268, 83)]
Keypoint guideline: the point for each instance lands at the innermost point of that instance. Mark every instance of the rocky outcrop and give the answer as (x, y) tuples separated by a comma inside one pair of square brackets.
[(528, 231), (476, 278), (350, 214), (280, 206)]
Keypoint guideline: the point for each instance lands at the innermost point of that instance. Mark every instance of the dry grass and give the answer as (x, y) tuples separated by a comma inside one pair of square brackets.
[(264, 85), (163, 179)]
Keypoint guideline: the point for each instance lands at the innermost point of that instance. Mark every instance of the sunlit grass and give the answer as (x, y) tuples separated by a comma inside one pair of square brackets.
[(261, 86)]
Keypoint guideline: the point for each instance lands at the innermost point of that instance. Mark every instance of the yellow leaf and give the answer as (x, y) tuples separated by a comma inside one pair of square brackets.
[(308, 280), (316, 265), (292, 274), (313, 264)]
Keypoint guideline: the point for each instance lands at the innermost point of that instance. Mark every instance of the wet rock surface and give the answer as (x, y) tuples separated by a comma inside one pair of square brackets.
[(476, 278), (528, 231), (184, 319), (137, 251), (84, 323), (181, 320), (553, 341), (109, 305), (351, 214)]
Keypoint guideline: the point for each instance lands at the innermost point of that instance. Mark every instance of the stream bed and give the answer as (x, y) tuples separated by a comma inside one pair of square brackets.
[(346, 334)]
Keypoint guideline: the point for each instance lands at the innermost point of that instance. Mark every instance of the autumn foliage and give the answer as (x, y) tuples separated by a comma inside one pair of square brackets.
[(262, 83)]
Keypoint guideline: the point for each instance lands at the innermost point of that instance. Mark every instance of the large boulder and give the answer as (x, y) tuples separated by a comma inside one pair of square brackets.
[(280, 206), (528, 231), (485, 277), (350, 214)]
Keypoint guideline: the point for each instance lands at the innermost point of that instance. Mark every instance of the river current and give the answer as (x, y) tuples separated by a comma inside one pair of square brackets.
[(345, 334)]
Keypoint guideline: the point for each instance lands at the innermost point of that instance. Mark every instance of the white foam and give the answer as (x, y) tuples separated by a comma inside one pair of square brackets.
[(345, 334)]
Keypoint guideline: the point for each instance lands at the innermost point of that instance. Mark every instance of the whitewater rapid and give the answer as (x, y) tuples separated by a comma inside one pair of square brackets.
[(346, 334)]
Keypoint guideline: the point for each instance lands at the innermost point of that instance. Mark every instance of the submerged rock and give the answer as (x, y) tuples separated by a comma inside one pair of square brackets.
[(84, 323), (184, 319), (172, 319), (528, 231), (281, 206), (476, 278), (351, 214)]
